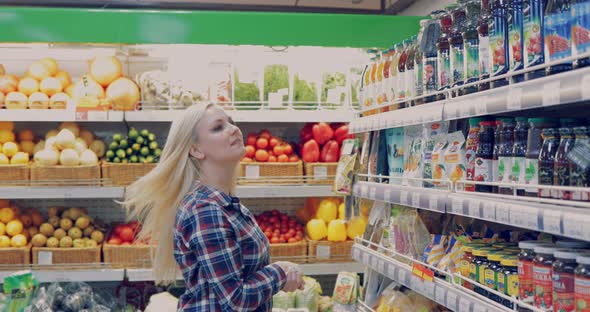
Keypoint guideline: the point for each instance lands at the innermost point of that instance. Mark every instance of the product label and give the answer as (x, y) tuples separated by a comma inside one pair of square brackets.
[(582, 294), (483, 169), (581, 27), (558, 43), (444, 67), (484, 55), (525, 277), (495, 170), (579, 178), (473, 271), (563, 292), (410, 84), (517, 174), (481, 273), (502, 282), (457, 63), (513, 285), (515, 33), (430, 75), (543, 284), (531, 174), (402, 84), (498, 47), (470, 148), (490, 278), (545, 177), (418, 78), (505, 169), (471, 65), (562, 178), (464, 268), (533, 43)]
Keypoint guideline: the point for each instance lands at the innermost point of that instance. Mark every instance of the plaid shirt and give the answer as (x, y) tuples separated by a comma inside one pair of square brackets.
[(223, 255)]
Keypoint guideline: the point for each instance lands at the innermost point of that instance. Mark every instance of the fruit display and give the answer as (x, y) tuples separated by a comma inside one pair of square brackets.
[(17, 227), (325, 219), (279, 227), (264, 147), (44, 86), (68, 145), (136, 147), (125, 234), (69, 228), (321, 142), (15, 150)]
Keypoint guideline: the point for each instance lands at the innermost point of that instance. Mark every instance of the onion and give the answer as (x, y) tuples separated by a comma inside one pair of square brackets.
[(50, 86), (16, 100), (64, 78), (7, 85), (59, 101), (28, 86), (38, 100), (123, 93), (39, 70), (51, 65), (105, 69), (87, 87)]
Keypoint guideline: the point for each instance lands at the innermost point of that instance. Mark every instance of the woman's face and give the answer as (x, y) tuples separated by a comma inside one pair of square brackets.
[(218, 138)]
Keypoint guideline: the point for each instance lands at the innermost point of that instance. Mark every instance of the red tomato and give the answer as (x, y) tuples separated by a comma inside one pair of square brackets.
[(135, 225), (299, 233), (275, 240), (268, 235), (114, 241), (118, 229), (261, 143), (262, 155), (127, 234), (293, 158), (288, 236), (298, 238), (272, 158), (250, 151), (278, 150), (273, 142), (283, 158), (292, 240), (265, 134), (251, 139), (288, 149), (247, 160)]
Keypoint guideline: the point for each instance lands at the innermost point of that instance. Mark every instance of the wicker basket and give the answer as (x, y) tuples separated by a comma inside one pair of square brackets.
[(294, 252), (50, 256), (125, 174), (15, 256), (129, 257), (66, 174), (13, 173), (326, 251), (271, 173), (320, 173)]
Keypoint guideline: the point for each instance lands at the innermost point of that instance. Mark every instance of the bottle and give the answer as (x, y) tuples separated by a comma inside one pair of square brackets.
[(547, 160), (515, 37), (443, 55), (495, 156), (387, 75), (484, 44), (578, 175), (367, 88), (457, 53), (563, 164), (471, 46), (419, 64), (371, 87), (471, 150), (381, 97), (519, 154), (430, 61), (401, 69), (394, 72), (534, 43), (580, 30), (498, 32), (505, 156), (410, 75), (558, 35), (533, 149), (484, 156)]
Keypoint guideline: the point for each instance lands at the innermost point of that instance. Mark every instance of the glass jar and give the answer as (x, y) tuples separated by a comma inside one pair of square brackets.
[(477, 269), (519, 153), (525, 268), (582, 283), (542, 279), (508, 280), (547, 160), (562, 164), (563, 280)]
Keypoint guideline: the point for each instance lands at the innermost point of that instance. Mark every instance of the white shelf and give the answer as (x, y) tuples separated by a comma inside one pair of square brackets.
[(417, 197), (67, 192), (73, 275), (58, 115), (560, 89), (272, 191), (252, 115)]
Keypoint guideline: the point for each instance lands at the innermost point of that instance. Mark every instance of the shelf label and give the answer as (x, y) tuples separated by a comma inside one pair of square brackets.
[(429, 290), (252, 171), (552, 221), (374, 261), (551, 93), (515, 214), (355, 254), (479, 308), (530, 217), (457, 205), (323, 252), (372, 193), (481, 105), (452, 300), (416, 199), (502, 214), (364, 191), (320, 172), (433, 203), (366, 259), (381, 266), (140, 275), (440, 296), (573, 225), (387, 195), (474, 208), (489, 210), (514, 99), (403, 198), (391, 271), (402, 276), (464, 305), (45, 257)]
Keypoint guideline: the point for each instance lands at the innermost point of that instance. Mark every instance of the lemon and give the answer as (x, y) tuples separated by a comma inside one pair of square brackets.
[(9, 149), (18, 240), (6, 215), (20, 159), (14, 227), (4, 241)]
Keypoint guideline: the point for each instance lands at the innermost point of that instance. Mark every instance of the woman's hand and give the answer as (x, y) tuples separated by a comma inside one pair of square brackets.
[(294, 276)]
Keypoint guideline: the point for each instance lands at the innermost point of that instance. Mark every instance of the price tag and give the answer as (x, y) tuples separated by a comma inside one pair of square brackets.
[(403, 198), (275, 99), (373, 192), (429, 290), (584, 87), (356, 253), (552, 221), (433, 203), (416, 199), (489, 210), (252, 171), (440, 296), (551, 93), (374, 262), (320, 172), (415, 283), (464, 305), (479, 308), (392, 272), (585, 228), (364, 191), (334, 96), (139, 275), (465, 109), (514, 99), (366, 257), (481, 105), (474, 208), (98, 116), (45, 257), (402, 275), (573, 225), (323, 252), (82, 116), (451, 301), (457, 205), (515, 214), (381, 266), (502, 214), (530, 217), (387, 195)]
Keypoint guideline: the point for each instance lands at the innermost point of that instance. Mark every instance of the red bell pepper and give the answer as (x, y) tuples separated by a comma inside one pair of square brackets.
[(341, 134), (330, 152), (310, 151), (322, 132), (306, 133)]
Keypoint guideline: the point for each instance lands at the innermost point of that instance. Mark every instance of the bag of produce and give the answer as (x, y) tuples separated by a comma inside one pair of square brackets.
[(305, 88), (333, 90), (19, 287), (276, 86), (283, 300), (248, 80), (355, 76)]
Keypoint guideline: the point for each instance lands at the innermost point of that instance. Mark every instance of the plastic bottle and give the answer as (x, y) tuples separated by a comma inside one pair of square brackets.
[(470, 151), (534, 43), (558, 34), (410, 75), (580, 30), (419, 64), (444, 51), (430, 60), (367, 87), (457, 47), (394, 71), (516, 35), (547, 160), (485, 66), (533, 149), (563, 164), (499, 44), (519, 154), (505, 156), (387, 54), (499, 128), (471, 70), (401, 70), (484, 156), (380, 95), (578, 176)]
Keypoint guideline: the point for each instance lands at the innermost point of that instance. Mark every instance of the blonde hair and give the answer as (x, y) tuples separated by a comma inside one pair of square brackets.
[(154, 198)]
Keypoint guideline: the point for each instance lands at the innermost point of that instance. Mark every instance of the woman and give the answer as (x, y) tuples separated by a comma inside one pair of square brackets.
[(187, 208)]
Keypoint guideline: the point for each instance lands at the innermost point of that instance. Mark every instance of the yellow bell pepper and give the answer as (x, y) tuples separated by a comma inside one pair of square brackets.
[(337, 231), (327, 211), (356, 227), (316, 229)]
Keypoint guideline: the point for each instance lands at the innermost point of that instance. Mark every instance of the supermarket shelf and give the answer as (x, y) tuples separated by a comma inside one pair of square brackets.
[(74, 275), (439, 290), (252, 115), (417, 197), (271, 191), (67, 192), (58, 115)]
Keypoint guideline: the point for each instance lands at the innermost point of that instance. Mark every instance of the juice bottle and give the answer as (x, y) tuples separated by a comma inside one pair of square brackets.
[(419, 64), (519, 154), (563, 164), (484, 44), (456, 44), (505, 156), (579, 175), (470, 151), (377, 79), (387, 76), (484, 156), (581, 30), (430, 60), (443, 54), (394, 71), (547, 160), (367, 96), (533, 149), (558, 34), (471, 70), (410, 75), (401, 70), (534, 44), (516, 35), (495, 156), (498, 31), (582, 283)]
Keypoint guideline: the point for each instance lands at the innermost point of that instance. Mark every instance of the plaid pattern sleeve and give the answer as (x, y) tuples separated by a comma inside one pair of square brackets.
[(224, 257)]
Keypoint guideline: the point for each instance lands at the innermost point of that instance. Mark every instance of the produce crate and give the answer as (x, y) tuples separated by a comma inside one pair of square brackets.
[(326, 251), (13, 173), (15, 255), (49, 256), (320, 173), (125, 174), (271, 173), (66, 174), (129, 257), (294, 252)]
